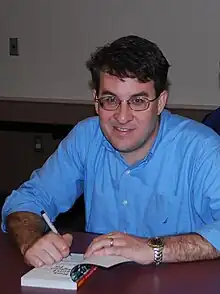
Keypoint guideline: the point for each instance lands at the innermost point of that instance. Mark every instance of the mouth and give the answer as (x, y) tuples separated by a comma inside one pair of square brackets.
[(122, 131)]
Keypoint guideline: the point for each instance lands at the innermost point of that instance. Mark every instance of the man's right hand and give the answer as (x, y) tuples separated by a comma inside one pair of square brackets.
[(48, 249)]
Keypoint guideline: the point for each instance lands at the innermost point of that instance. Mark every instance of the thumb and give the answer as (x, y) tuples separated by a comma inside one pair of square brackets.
[(68, 238)]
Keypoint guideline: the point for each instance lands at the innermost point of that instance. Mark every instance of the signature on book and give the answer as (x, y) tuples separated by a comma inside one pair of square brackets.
[(61, 270)]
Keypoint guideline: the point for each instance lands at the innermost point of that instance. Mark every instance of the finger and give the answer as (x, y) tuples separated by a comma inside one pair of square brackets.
[(105, 242), (68, 238), (61, 243), (114, 235), (109, 235), (53, 252), (49, 249), (48, 255), (37, 259), (114, 250), (33, 260), (97, 245), (98, 239)]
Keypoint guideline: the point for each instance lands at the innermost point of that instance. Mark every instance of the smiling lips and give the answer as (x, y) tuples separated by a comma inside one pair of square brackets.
[(122, 131)]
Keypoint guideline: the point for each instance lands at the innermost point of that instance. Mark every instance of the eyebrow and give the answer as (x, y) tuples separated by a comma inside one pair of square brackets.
[(108, 93), (142, 93)]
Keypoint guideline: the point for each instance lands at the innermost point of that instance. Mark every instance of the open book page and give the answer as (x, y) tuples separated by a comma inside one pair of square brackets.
[(103, 261)]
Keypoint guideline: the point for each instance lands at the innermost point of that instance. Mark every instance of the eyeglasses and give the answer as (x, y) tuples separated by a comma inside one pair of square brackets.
[(137, 103)]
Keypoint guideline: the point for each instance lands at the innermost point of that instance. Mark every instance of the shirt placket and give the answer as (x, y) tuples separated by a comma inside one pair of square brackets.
[(124, 221)]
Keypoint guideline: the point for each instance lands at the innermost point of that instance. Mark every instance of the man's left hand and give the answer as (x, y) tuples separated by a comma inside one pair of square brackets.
[(121, 244)]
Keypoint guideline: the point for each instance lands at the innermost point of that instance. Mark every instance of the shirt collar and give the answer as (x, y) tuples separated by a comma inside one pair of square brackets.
[(161, 132), (165, 115)]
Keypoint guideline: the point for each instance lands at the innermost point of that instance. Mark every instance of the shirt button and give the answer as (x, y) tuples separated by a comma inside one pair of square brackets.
[(125, 202), (128, 172)]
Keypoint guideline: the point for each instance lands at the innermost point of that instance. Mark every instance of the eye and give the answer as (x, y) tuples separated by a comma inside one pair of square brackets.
[(109, 100), (139, 100)]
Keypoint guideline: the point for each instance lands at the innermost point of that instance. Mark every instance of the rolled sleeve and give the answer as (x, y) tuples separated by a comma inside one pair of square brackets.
[(14, 204), (211, 233)]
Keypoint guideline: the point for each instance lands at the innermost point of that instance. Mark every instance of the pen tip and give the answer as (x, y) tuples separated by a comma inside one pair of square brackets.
[(42, 212)]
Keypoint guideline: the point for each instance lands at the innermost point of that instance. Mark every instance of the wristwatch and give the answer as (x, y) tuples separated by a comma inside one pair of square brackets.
[(157, 244)]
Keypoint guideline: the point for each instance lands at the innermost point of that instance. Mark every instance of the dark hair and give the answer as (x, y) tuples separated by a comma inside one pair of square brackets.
[(130, 57)]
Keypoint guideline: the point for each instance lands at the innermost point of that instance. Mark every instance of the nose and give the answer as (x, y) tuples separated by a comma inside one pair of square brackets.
[(124, 113)]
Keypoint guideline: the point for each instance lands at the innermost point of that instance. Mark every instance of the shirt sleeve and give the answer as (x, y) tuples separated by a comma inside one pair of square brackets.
[(207, 192), (57, 184)]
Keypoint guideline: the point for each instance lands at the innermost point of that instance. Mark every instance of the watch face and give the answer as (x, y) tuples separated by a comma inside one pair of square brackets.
[(156, 242)]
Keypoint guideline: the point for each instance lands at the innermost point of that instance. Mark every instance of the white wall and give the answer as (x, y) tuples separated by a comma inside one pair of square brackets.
[(56, 38)]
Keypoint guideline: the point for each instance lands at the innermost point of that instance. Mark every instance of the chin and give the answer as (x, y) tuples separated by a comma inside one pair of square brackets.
[(126, 150), (122, 148), (123, 145)]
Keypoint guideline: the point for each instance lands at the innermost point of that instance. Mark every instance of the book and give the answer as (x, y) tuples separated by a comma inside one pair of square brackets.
[(70, 273)]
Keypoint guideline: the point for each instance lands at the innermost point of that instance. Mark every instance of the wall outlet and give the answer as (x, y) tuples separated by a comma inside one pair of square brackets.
[(13, 47), (38, 144)]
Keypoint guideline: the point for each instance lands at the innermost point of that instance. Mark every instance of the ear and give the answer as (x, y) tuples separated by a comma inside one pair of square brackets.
[(162, 101), (96, 103)]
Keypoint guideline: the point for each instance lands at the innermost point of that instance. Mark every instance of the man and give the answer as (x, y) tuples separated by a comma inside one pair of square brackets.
[(151, 180), (212, 120)]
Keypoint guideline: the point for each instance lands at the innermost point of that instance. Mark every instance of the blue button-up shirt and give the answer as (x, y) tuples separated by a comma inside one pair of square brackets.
[(175, 189)]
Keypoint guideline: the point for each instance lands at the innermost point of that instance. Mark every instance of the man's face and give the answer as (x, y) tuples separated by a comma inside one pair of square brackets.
[(130, 132)]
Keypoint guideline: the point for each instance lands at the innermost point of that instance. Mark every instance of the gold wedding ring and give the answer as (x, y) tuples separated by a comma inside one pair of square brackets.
[(111, 242)]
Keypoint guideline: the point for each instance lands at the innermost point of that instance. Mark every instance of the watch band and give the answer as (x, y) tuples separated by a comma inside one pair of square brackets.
[(157, 244), (158, 255)]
